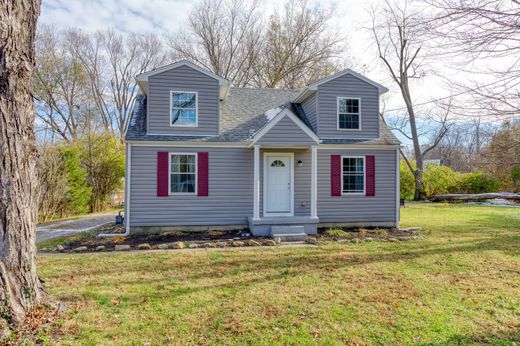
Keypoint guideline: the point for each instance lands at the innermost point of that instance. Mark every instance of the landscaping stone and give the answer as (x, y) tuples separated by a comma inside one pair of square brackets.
[(178, 245), (278, 240), (369, 239), (60, 248), (312, 240), (80, 249), (144, 246), (45, 249), (193, 245), (252, 242), (163, 246), (392, 240), (220, 244), (100, 248), (209, 245), (270, 242), (122, 247), (411, 229), (238, 243)]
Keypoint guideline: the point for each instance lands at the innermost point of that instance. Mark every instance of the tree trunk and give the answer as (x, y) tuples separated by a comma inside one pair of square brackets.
[(419, 194), (20, 288)]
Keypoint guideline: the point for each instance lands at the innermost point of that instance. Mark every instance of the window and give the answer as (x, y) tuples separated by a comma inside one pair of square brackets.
[(348, 113), (277, 163), (183, 173), (353, 169), (183, 108)]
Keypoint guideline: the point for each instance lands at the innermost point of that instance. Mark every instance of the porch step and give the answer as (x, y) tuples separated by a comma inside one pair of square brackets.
[(289, 233)]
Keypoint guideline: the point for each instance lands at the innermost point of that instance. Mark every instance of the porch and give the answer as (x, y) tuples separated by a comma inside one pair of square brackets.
[(285, 191)]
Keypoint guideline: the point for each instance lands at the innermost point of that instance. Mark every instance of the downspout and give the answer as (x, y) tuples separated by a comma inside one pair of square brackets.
[(127, 196)]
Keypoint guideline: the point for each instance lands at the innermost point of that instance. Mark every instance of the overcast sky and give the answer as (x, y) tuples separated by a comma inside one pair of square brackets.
[(351, 18)]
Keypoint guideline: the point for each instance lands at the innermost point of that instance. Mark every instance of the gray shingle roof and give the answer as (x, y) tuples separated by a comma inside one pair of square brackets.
[(242, 115)]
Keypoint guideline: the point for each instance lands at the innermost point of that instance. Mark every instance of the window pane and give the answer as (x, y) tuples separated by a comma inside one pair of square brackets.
[(353, 174), (183, 183), (342, 105), (183, 164), (183, 100), (348, 121), (184, 117)]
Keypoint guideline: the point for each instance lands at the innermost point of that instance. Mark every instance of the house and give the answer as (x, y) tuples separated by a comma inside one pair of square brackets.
[(202, 154)]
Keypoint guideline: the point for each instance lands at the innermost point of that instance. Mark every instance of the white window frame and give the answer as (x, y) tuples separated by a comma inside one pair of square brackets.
[(170, 175), (337, 112), (196, 107), (364, 175)]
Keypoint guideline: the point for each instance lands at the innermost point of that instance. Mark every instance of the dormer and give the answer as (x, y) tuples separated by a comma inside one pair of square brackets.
[(344, 105), (183, 99)]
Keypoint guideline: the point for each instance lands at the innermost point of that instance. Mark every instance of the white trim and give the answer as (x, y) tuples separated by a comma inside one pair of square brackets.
[(358, 146), (397, 189), (337, 112), (291, 156), (314, 181), (285, 112), (143, 77), (170, 193), (256, 184), (364, 175), (173, 144), (196, 107)]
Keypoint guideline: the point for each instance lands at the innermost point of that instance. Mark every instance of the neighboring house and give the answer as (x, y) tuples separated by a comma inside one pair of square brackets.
[(204, 155)]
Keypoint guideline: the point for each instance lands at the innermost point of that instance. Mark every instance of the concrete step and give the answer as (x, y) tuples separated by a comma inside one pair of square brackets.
[(289, 233)]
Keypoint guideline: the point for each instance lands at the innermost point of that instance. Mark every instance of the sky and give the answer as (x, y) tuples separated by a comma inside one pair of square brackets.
[(351, 18)]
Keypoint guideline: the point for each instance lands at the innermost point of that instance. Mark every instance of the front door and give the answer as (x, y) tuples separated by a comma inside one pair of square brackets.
[(278, 189)]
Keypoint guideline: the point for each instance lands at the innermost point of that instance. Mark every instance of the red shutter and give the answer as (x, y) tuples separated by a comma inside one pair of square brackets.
[(202, 174), (370, 167), (162, 173), (335, 175)]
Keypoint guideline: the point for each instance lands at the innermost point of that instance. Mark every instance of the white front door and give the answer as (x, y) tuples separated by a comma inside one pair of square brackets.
[(278, 189)]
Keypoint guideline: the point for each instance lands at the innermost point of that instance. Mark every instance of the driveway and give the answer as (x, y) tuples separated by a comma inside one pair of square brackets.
[(68, 227)]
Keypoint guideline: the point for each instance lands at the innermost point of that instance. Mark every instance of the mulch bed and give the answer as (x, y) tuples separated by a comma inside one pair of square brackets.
[(90, 242)]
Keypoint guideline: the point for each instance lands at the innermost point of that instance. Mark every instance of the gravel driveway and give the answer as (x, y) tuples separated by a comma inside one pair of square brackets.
[(64, 228)]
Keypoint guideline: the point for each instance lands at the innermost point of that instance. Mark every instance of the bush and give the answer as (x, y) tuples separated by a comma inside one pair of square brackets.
[(336, 233), (440, 180), (78, 192), (407, 187), (515, 175), (478, 182)]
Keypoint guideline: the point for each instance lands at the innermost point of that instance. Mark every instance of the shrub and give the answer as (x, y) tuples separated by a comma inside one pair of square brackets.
[(440, 180), (78, 192), (478, 182), (336, 233), (515, 175), (407, 180)]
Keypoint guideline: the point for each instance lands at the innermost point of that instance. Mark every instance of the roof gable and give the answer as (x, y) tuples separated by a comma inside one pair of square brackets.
[(299, 126), (311, 88)]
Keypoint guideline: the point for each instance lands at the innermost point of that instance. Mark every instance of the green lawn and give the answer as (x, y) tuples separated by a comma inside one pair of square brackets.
[(458, 285)]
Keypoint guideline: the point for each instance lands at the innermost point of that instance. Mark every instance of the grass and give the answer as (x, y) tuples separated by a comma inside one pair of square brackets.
[(458, 285)]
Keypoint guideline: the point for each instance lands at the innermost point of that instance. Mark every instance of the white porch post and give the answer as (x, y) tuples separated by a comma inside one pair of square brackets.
[(256, 178), (314, 181)]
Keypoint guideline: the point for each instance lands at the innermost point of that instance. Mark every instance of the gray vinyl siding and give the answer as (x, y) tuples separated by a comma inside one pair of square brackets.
[(302, 180), (347, 86), (358, 208), (230, 199), (286, 132), (309, 107), (183, 78)]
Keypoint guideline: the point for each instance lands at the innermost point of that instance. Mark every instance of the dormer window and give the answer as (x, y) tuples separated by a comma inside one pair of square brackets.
[(349, 114), (183, 111)]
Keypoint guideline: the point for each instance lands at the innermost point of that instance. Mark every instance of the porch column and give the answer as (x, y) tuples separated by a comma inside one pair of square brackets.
[(314, 181), (256, 179)]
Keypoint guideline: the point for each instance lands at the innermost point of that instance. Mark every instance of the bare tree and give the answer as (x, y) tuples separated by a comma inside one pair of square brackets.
[(298, 47), (111, 62), (20, 288), (223, 36), (60, 84), (398, 38), (481, 37)]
